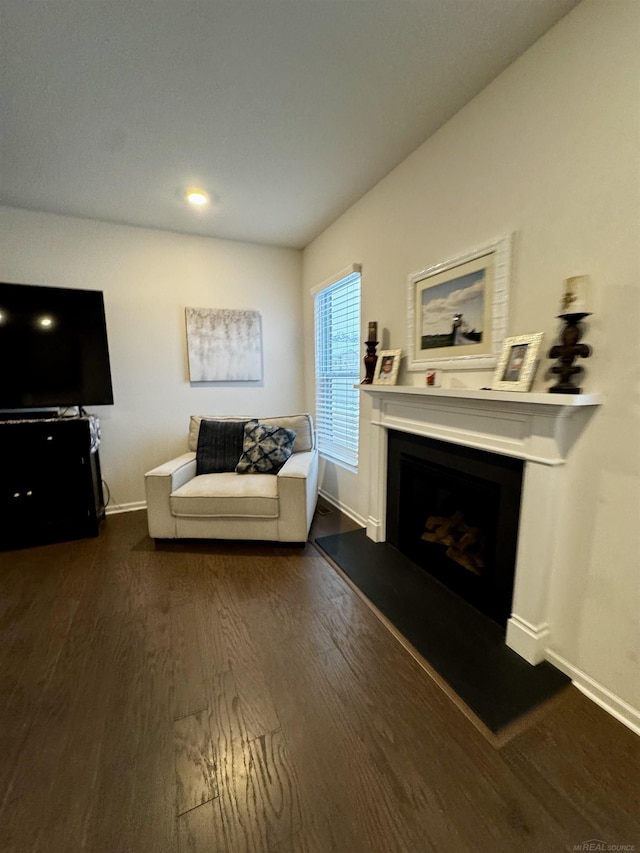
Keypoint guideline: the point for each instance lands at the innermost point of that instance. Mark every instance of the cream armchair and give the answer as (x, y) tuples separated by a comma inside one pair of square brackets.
[(277, 507)]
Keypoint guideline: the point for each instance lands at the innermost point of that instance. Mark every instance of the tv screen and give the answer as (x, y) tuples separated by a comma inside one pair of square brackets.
[(53, 347)]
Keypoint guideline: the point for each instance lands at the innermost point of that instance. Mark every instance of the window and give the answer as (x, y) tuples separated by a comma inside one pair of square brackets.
[(337, 319)]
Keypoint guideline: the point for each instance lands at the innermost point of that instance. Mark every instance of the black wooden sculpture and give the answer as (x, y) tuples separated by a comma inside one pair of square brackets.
[(567, 352)]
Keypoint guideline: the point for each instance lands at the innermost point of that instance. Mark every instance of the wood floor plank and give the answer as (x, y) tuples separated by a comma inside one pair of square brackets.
[(200, 830), (241, 826), (74, 789), (112, 821), (134, 806), (154, 792), (33, 640), (195, 765), (275, 788), (188, 682), (226, 646), (226, 714), (258, 794), (45, 669)]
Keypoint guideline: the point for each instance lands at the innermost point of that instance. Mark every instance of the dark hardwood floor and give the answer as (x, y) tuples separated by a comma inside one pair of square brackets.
[(241, 697)]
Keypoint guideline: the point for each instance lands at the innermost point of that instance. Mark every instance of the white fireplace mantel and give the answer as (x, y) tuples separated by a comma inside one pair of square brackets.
[(538, 428)]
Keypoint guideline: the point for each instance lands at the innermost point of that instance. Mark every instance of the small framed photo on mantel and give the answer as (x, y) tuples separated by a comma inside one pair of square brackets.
[(516, 366), (387, 367)]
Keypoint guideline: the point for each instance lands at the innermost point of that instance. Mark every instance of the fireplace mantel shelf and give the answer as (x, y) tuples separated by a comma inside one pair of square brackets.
[(528, 425), (557, 401)]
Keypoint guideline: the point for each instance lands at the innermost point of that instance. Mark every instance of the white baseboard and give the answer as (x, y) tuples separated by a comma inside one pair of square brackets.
[(113, 509), (529, 641), (345, 509), (614, 705), (374, 530)]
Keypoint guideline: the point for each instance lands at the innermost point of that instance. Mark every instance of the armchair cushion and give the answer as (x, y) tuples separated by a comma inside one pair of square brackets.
[(226, 495), (265, 449), (219, 445)]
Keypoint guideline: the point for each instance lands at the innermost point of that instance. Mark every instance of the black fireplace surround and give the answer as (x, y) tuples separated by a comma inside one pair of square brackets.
[(454, 511)]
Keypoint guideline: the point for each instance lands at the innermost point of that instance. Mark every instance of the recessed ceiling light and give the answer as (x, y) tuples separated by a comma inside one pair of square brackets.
[(197, 198)]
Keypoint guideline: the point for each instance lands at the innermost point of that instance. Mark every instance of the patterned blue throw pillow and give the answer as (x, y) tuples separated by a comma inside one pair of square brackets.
[(265, 449)]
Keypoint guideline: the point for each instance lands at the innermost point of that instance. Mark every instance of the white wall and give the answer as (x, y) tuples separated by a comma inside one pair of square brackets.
[(148, 278), (548, 152)]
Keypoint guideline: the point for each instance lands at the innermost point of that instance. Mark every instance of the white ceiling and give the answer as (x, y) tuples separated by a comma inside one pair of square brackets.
[(286, 111)]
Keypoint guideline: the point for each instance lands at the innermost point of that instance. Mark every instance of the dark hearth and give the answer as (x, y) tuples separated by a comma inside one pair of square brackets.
[(461, 644), (454, 511)]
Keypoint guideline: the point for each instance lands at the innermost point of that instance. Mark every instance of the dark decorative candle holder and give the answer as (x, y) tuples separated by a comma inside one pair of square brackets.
[(370, 361), (567, 352)]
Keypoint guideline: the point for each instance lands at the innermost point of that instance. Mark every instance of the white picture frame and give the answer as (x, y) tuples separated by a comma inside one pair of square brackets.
[(516, 367), (387, 367), (475, 283)]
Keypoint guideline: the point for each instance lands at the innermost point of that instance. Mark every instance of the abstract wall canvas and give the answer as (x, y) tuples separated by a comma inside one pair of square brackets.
[(224, 345)]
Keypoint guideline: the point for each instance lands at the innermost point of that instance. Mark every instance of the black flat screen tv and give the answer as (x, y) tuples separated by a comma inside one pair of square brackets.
[(53, 348)]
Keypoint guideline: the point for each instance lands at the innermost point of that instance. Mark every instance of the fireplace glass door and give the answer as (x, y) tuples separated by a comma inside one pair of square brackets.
[(454, 512)]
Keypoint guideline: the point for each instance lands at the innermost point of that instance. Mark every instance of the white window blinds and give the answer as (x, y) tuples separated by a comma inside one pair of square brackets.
[(337, 326)]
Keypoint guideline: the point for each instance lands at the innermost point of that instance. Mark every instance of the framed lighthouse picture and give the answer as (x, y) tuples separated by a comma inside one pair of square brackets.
[(457, 310)]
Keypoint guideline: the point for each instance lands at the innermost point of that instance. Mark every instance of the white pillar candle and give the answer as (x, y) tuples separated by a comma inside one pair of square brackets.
[(575, 295)]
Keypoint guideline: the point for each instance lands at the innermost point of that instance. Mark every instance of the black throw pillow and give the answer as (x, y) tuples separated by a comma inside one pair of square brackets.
[(219, 446)]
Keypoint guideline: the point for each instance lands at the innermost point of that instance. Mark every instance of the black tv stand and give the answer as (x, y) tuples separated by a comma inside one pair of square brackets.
[(50, 481)]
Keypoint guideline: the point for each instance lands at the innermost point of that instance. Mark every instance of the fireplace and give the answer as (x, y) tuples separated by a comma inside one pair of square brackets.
[(537, 431), (454, 511)]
